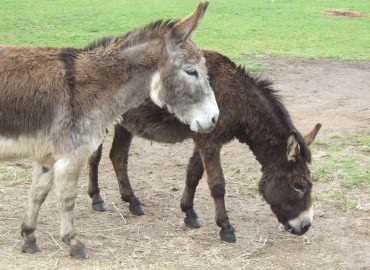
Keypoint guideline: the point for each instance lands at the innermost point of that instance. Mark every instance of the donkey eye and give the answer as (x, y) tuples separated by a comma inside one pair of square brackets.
[(299, 188), (193, 73)]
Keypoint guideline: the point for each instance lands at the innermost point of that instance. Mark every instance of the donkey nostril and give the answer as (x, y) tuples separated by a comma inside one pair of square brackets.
[(305, 228), (214, 120)]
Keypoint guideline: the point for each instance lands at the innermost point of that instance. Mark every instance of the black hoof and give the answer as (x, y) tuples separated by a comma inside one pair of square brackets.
[(78, 251), (30, 248), (98, 203), (228, 234), (135, 208), (191, 220)]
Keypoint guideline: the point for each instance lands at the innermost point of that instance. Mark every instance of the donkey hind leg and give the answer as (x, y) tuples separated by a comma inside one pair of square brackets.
[(119, 157), (193, 174), (216, 183), (93, 189), (66, 173), (42, 181)]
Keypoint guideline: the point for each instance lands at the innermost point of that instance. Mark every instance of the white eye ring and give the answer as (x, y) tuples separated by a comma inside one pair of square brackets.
[(299, 190)]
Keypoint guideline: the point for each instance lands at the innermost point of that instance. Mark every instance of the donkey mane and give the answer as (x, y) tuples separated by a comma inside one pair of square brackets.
[(275, 101), (148, 32)]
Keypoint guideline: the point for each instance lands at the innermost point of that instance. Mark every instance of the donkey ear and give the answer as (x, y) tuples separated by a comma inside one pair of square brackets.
[(184, 29), (310, 137), (292, 147)]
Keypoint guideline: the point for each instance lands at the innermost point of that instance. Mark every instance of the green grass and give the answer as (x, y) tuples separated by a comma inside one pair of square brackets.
[(236, 28), (346, 160), (15, 171)]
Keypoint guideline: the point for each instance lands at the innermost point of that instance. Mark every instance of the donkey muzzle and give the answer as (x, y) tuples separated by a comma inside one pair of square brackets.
[(204, 124), (300, 224), (296, 231)]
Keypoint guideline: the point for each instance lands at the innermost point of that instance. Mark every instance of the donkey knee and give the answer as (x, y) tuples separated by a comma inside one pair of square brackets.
[(67, 204), (218, 191), (116, 157)]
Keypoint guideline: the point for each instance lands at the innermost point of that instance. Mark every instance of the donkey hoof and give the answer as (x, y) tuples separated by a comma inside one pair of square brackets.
[(98, 203), (191, 220), (30, 248), (192, 223), (78, 251), (135, 208), (228, 234)]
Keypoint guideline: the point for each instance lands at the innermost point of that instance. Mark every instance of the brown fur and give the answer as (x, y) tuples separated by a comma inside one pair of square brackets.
[(249, 111), (22, 90), (55, 104)]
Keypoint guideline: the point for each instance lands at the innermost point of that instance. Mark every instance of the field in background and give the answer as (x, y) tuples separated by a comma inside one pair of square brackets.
[(236, 28), (333, 92)]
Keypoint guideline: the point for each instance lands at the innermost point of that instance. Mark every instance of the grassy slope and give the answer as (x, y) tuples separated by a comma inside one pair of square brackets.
[(236, 28), (344, 162), (344, 159)]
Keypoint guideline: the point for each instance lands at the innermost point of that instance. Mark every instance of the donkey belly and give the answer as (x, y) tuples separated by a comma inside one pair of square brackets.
[(152, 123), (24, 147)]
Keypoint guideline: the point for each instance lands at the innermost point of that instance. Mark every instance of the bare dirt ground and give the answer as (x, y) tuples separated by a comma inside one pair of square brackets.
[(335, 93)]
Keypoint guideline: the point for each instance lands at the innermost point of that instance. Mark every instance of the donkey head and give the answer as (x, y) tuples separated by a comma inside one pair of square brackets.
[(287, 186), (181, 83)]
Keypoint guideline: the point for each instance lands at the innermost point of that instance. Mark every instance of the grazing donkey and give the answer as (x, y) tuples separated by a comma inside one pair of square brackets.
[(249, 111), (55, 104)]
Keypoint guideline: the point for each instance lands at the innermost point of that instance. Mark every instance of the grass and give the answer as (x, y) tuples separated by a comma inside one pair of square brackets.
[(344, 159), (238, 28), (344, 165), (15, 171)]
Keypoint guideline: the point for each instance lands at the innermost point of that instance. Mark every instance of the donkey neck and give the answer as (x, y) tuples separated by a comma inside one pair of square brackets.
[(266, 125), (120, 81)]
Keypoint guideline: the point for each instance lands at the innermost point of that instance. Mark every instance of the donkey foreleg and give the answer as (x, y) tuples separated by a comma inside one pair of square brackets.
[(216, 182), (42, 181), (119, 157), (66, 173), (93, 189), (194, 173)]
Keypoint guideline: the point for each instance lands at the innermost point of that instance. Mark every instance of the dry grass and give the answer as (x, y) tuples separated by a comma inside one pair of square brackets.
[(159, 240)]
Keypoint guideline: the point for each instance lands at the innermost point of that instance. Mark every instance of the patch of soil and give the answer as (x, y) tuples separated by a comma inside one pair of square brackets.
[(335, 93), (345, 13)]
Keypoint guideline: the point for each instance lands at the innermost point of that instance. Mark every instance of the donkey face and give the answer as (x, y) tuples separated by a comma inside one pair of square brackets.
[(289, 196), (287, 188), (181, 84)]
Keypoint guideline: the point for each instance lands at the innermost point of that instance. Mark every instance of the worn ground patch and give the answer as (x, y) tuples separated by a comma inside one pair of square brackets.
[(334, 93), (345, 13)]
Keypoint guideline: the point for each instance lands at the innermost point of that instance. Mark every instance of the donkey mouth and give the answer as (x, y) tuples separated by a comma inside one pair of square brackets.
[(296, 231), (196, 126)]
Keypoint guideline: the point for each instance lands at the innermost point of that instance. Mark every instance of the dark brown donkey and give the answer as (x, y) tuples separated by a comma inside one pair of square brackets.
[(249, 111), (55, 104)]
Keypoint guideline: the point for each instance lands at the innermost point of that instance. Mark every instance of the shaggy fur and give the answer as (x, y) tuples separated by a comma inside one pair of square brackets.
[(55, 105), (252, 112)]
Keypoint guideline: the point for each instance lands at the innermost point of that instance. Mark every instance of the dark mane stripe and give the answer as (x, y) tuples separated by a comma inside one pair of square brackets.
[(276, 102), (149, 31), (103, 42)]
